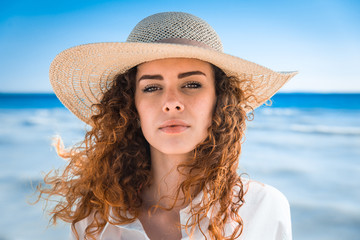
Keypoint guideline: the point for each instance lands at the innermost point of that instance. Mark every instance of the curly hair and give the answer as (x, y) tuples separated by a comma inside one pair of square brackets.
[(109, 168)]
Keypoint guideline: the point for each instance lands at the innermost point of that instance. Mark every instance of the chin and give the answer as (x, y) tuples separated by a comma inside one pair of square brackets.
[(175, 149)]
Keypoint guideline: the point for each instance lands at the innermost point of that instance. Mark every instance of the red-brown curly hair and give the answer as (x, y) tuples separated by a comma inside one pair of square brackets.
[(109, 169)]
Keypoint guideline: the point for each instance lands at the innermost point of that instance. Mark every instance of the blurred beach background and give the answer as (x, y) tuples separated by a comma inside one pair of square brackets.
[(307, 144)]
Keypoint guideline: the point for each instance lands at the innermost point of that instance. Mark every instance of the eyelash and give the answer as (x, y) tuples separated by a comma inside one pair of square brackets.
[(148, 88), (198, 85), (152, 88)]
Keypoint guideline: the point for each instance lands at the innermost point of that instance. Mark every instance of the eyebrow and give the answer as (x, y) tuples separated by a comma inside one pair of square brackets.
[(181, 75)]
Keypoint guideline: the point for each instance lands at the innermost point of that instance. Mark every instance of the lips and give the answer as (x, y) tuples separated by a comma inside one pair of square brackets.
[(174, 126)]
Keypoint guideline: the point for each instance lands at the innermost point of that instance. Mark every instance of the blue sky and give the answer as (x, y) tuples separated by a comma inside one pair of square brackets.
[(320, 39)]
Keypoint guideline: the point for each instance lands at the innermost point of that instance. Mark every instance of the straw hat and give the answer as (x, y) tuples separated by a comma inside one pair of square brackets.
[(80, 75)]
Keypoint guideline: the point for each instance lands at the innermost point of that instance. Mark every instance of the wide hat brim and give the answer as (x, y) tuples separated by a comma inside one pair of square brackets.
[(81, 75)]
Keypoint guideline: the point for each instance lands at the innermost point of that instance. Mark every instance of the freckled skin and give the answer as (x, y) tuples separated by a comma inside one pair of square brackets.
[(190, 99)]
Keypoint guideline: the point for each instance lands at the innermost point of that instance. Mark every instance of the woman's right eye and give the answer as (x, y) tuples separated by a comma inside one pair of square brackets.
[(151, 88)]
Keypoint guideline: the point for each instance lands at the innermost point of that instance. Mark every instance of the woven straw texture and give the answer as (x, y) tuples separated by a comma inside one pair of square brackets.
[(80, 75), (175, 25)]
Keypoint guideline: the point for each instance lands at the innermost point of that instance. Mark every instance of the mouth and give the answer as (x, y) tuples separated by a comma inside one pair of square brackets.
[(174, 126)]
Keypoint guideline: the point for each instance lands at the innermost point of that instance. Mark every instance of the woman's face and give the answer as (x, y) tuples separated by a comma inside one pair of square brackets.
[(175, 99)]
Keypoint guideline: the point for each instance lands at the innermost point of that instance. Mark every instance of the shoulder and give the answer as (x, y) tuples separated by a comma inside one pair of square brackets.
[(81, 226), (256, 193), (259, 193), (265, 208)]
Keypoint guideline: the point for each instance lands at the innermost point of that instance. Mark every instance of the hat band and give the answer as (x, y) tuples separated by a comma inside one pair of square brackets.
[(184, 41)]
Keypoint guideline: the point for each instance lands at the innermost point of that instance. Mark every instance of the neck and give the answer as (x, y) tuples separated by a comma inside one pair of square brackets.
[(165, 179)]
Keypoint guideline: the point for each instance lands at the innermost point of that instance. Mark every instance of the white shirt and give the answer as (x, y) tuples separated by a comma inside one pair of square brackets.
[(265, 215)]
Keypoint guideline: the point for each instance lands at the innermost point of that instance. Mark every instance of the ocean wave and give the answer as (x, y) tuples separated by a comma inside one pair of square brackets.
[(349, 210), (307, 128), (19, 182), (294, 111), (339, 221), (40, 118), (323, 129), (278, 111)]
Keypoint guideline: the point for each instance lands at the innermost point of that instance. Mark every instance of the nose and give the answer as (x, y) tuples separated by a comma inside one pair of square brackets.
[(172, 103)]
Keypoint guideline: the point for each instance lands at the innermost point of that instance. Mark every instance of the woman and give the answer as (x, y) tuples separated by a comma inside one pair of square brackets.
[(167, 110)]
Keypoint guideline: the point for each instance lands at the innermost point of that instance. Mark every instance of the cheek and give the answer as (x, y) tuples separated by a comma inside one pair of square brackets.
[(147, 112), (141, 108), (142, 112), (140, 104), (206, 107)]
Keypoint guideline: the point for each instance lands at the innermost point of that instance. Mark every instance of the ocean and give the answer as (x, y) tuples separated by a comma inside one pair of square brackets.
[(306, 144)]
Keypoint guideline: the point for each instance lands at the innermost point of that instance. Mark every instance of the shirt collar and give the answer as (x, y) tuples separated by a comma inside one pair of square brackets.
[(184, 214)]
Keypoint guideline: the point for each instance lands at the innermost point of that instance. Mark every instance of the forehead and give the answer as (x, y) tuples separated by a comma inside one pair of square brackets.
[(174, 64)]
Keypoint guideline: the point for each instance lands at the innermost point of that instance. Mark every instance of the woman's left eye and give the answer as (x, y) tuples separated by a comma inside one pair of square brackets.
[(192, 85)]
